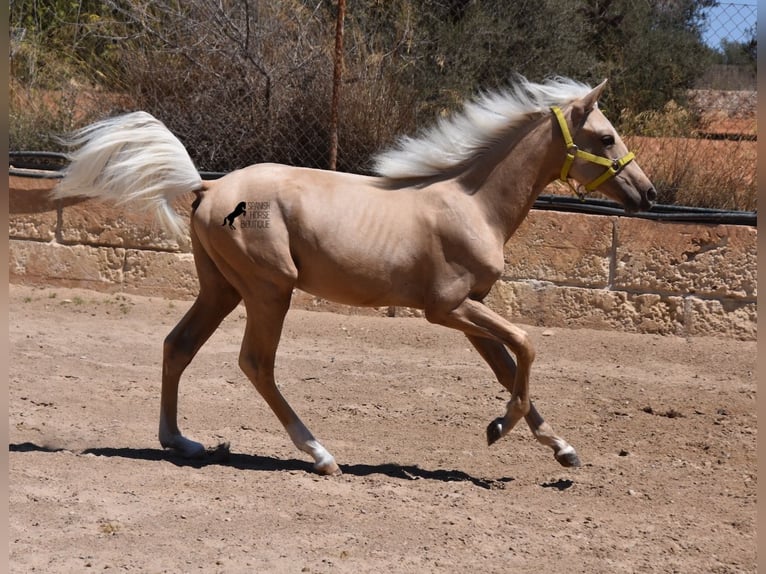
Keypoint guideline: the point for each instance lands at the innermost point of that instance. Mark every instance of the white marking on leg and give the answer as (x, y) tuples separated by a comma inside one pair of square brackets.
[(176, 441), (544, 435), (324, 462), (563, 450)]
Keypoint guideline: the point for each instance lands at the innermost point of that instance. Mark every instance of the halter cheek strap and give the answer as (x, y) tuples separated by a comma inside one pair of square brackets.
[(613, 166)]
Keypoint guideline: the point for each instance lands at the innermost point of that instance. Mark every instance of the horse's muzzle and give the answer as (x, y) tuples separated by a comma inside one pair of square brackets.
[(648, 198), (639, 200)]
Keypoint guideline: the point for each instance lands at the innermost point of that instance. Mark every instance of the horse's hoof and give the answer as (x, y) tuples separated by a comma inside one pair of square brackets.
[(218, 453), (567, 458), (184, 447), (494, 431), (328, 468)]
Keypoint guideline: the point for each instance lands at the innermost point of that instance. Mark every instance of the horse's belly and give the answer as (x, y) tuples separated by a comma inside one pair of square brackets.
[(371, 283)]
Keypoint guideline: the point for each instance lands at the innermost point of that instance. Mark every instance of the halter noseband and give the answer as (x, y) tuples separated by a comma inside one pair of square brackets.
[(613, 166)]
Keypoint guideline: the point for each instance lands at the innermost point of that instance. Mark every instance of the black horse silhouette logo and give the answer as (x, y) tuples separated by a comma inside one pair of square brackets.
[(239, 210)]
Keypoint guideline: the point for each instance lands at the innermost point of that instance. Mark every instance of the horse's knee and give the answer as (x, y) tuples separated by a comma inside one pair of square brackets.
[(524, 349)]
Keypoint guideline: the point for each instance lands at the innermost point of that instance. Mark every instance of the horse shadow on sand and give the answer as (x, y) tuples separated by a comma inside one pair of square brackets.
[(222, 456)]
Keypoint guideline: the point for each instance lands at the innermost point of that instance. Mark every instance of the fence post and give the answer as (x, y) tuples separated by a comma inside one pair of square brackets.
[(336, 79)]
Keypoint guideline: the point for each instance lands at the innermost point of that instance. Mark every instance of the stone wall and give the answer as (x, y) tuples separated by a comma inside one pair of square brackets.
[(562, 269), (634, 275)]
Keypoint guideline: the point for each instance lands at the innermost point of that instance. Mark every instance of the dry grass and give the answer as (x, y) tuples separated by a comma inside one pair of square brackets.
[(688, 169), (38, 115), (697, 172)]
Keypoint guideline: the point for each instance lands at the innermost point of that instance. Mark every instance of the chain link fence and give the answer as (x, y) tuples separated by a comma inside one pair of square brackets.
[(381, 61), (726, 95), (242, 82), (729, 23)]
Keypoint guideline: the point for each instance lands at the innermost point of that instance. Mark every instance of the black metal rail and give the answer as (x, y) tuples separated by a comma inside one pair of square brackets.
[(51, 165)]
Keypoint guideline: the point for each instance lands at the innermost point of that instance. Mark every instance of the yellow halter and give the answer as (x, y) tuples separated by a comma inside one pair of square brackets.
[(613, 166)]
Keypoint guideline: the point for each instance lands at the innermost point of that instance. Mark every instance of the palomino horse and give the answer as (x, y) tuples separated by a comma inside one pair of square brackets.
[(428, 232)]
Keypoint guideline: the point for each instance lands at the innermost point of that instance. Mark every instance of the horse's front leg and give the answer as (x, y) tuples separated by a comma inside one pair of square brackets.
[(504, 367), (482, 324)]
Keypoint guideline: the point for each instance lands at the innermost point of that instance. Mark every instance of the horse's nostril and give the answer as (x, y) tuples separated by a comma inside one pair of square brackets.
[(651, 194)]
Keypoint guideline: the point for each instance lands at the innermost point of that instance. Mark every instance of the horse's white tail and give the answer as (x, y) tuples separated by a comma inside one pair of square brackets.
[(131, 158)]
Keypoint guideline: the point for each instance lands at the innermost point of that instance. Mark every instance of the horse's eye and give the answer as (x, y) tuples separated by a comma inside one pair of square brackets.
[(607, 140)]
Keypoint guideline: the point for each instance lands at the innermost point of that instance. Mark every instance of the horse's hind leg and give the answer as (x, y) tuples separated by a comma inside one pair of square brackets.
[(266, 308), (504, 367), (216, 299)]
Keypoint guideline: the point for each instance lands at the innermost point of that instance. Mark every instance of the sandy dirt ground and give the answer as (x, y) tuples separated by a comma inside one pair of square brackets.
[(666, 429)]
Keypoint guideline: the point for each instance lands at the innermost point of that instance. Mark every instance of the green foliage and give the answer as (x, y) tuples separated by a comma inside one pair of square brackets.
[(740, 58), (444, 51), (652, 52)]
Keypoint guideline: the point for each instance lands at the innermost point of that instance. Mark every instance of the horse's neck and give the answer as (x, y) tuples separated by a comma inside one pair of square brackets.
[(509, 178)]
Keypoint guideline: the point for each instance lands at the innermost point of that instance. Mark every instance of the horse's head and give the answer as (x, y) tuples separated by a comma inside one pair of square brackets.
[(598, 159)]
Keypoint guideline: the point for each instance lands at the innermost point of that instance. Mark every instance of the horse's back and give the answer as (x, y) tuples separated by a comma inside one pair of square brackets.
[(337, 235), (340, 236)]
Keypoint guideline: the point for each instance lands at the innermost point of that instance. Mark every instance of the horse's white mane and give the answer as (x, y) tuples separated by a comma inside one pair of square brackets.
[(456, 139)]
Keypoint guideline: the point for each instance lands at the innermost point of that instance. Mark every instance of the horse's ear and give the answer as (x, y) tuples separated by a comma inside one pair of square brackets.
[(585, 105), (596, 92)]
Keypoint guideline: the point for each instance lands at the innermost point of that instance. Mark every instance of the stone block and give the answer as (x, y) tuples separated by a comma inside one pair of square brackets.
[(31, 213), (160, 274), (33, 185), (733, 319), (97, 268), (546, 304), (567, 249), (90, 222), (711, 261)]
